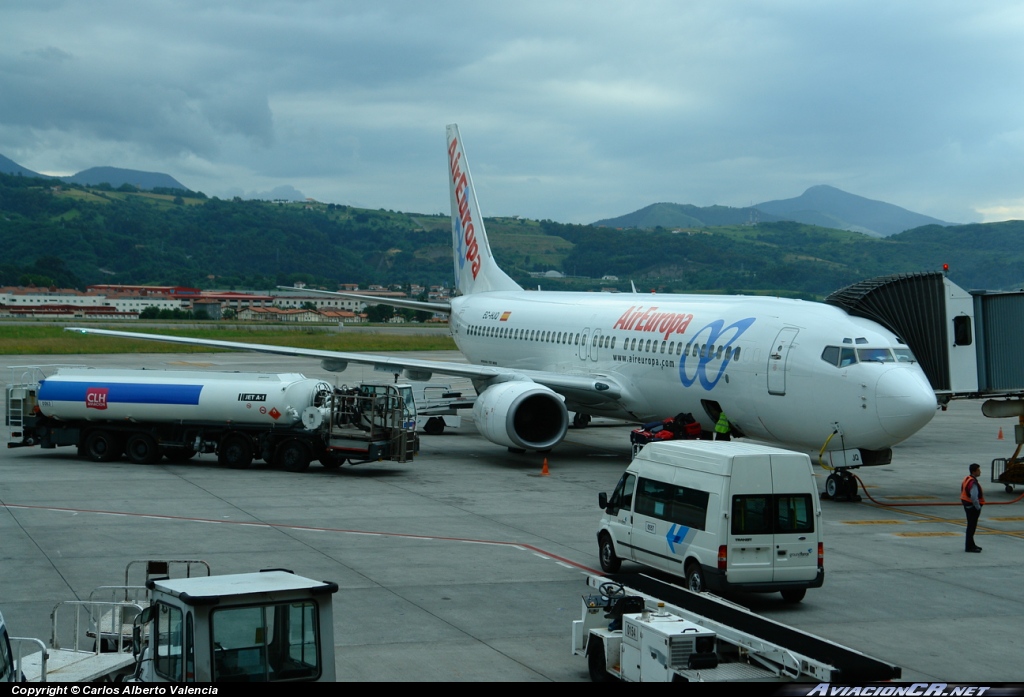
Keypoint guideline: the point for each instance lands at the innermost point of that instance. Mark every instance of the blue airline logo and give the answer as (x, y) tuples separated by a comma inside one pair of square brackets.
[(719, 337), (679, 535)]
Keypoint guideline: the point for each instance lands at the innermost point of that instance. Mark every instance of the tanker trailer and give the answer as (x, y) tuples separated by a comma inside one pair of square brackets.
[(285, 419)]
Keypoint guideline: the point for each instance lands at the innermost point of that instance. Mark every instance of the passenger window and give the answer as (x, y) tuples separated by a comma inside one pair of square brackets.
[(751, 515), (675, 504), (767, 514), (794, 513)]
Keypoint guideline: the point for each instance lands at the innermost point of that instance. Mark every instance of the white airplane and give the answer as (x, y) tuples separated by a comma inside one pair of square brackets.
[(802, 374)]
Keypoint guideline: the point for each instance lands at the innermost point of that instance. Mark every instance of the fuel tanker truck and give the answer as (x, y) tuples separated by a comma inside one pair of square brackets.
[(284, 419)]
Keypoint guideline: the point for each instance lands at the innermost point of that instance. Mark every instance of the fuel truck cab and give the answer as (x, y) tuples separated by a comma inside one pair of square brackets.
[(723, 515)]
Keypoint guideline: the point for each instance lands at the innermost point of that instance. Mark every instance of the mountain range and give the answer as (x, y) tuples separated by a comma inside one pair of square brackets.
[(94, 176), (824, 206)]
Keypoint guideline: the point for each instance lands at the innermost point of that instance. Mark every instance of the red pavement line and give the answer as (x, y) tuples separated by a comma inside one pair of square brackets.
[(285, 526)]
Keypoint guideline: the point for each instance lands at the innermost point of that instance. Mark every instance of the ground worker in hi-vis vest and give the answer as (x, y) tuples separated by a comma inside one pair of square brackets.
[(722, 428)]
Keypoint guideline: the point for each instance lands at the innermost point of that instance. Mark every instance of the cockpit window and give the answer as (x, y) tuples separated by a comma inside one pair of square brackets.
[(904, 356), (847, 356), (831, 355), (878, 355)]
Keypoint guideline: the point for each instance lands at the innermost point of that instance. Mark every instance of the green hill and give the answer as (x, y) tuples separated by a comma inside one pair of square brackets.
[(70, 235)]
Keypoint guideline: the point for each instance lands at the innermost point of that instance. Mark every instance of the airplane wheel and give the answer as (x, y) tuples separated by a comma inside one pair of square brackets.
[(580, 420), (833, 485)]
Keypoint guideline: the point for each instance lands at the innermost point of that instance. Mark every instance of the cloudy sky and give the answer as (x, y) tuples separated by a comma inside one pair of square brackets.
[(573, 111)]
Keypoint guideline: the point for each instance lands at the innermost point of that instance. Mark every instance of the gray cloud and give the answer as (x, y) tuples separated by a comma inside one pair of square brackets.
[(572, 111)]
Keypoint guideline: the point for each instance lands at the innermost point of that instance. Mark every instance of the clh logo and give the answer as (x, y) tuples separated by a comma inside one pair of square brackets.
[(96, 397)]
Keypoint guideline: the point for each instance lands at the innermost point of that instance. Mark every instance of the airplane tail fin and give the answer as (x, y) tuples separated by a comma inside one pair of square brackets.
[(475, 268)]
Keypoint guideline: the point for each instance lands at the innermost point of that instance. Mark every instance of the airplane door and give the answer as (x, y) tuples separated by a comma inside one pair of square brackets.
[(595, 342), (584, 347), (777, 358)]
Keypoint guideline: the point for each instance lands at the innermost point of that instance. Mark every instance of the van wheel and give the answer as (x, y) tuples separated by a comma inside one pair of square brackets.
[(695, 578), (610, 563), (794, 595), (434, 426)]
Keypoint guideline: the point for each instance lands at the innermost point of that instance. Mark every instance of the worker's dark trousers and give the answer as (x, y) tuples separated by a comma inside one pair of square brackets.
[(972, 524)]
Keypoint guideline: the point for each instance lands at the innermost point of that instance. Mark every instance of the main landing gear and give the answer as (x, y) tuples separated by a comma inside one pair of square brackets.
[(841, 485)]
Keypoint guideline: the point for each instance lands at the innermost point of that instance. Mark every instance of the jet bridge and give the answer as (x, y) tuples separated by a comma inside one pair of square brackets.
[(968, 342)]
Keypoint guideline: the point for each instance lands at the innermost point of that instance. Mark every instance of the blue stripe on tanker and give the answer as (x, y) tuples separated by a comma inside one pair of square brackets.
[(121, 392)]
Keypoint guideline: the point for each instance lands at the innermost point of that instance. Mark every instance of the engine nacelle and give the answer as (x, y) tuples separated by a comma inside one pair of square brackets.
[(521, 414)]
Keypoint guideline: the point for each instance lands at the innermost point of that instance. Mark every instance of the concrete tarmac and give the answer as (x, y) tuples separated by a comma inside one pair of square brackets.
[(466, 564)]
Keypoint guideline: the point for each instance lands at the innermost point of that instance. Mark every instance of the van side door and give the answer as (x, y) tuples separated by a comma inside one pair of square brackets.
[(619, 516), (667, 520)]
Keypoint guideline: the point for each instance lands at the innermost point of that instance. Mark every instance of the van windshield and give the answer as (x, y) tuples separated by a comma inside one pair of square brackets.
[(772, 513)]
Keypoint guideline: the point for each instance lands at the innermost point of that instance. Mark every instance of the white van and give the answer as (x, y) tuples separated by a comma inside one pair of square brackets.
[(724, 515)]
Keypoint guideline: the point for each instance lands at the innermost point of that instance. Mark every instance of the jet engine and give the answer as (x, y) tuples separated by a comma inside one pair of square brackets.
[(521, 414)]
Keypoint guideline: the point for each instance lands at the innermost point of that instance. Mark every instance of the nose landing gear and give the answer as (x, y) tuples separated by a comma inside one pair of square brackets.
[(841, 485)]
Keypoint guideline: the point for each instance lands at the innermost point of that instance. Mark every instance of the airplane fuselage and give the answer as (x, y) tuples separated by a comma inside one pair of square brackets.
[(786, 371)]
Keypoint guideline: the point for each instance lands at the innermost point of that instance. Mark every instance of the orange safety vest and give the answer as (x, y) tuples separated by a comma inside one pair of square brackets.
[(965, 495)]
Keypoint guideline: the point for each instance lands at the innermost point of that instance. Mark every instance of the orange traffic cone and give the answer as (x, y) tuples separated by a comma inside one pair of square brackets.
[(544, 470), (1000, 436)]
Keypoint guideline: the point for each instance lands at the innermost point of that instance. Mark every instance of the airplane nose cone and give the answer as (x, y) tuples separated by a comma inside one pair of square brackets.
[(905, 401)]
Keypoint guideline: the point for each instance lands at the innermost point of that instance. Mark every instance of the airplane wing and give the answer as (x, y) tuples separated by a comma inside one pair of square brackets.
[(443, 308), (585, 388)]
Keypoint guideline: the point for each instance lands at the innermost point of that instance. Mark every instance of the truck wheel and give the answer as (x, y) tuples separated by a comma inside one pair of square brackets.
[(434, 426), (695, 578), (332, 462), (235, 451), (794, 595), (179, 454), (609, 561), (292, 455), (141, 449), (102, 446)]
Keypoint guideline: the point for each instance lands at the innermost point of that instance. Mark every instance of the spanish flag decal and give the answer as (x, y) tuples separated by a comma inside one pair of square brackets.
[(504, 316)]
